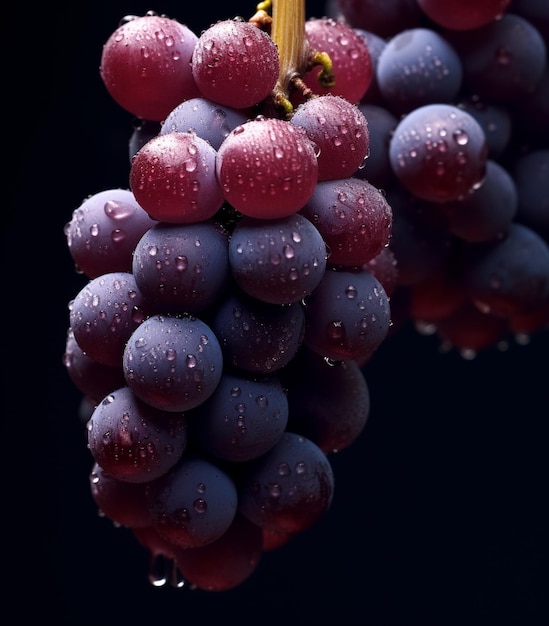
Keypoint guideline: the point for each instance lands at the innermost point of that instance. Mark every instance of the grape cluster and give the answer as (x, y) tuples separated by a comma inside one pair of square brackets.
[(459, 140), (278, 223), (230, 295)]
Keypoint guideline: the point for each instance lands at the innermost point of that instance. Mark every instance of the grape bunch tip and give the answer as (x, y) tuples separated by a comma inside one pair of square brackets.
[(299, 189)]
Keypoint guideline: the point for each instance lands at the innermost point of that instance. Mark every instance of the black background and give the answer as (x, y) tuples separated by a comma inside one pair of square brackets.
[(439, 512)]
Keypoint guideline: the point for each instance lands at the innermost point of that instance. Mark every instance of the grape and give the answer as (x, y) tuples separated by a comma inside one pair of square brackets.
[(353, 218), (182, 267), (95, 380), (347, 315), (352, 66), (193, 504), (375, 45), (318, 389), (503, 60), (530, 173), (255, 336), (145, 65), (104, 314), (123, 502), (488, 211), (289, 488), (377, 167), (226, 562), (173, 178), (463, 14), (420, 239), (267, 168), (279, 261), (243, 419), (235, 64), (339, 130), (437, 296), (438, 152), (142, 132), (208, 119), (103, 231), (495, 120), (384, 267), (418, 67), (509, 276), (385, 19), (132, 441), (173, 363)]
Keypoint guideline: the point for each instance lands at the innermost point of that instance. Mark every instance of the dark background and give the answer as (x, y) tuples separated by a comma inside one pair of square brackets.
[(439, 511)]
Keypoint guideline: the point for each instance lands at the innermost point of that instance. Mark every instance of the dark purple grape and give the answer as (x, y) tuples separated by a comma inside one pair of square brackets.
[(376, 169), (329, 402), (469, 330), (347, 316), (339, 131), (510, 276), (384, 19), (145, 65), (353, 218), (436, 297), (535, 12), (418, 67), (143, 131), (235, 63), (495, 120), (104, 314), (375, 45), (255, 336), (103, 231), (173, 178), (278, 261), (226, 562), (289, 488), (420, 240), (95, 380), (208, 119), (487, 212), (530, 172), (463, 15), (133, 441), (438, 152), (384, 267), (193, 504), (182, 268), (173, 363), (123, 502), (243, 419), (503, 61)]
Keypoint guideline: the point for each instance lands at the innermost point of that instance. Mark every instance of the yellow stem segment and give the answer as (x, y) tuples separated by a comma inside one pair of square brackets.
[(288, 32)]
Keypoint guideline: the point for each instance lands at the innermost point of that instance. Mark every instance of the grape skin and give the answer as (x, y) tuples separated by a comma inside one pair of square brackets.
[(267, 168), (353, 217), (193, 504), (104, 314), (243, 419), (145, 66), (347, 315), (289, 488), (132, 441), (173, 363), (104, 230), (173, 178), (182, 268), (222, 63), (280, 261)]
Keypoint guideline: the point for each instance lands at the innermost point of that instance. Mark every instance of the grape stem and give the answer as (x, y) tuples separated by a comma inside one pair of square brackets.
[(288, 33)]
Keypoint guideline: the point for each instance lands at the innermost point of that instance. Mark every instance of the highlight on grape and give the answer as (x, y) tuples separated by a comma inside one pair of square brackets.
[(298, 188)]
